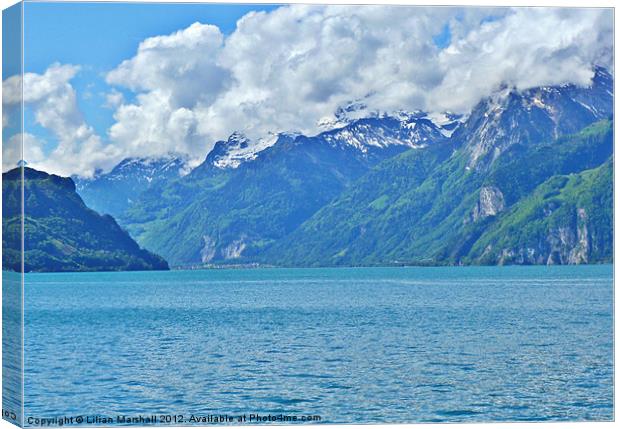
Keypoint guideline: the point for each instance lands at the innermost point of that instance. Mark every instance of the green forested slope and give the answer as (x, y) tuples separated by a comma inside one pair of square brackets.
[(429, 207), (566, 220), (216, 215), (61, 233)]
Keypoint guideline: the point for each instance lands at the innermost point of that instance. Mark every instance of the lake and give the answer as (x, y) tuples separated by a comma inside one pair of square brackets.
[(351, 345)]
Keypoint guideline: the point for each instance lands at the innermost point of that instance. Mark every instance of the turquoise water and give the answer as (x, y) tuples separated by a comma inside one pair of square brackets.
[(12, 346), (349, 345)]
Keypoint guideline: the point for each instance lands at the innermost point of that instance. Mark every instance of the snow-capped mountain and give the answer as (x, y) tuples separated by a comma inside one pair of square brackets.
[(375, 179), (508, 117), (533, 116), (239, 200), (146, 169), (447, 122), (367, 135), (237, 149), (113, 192)]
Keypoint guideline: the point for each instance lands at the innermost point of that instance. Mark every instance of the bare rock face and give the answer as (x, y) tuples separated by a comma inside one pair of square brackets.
[(525, 256), (490, 203), (563, 245), (570, 245), (208, 251), (234, 249), (231, 251), (579, 253), (511, 116), (561, 242)]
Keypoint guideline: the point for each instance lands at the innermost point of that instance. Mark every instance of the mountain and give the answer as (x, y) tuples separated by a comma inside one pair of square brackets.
[(371, 136), (407, 188), (114, 191), (237, 150), (566, 220), (432, 206), (429, 207), (61, 232), (535, 115), (229, 211), (374, 135)]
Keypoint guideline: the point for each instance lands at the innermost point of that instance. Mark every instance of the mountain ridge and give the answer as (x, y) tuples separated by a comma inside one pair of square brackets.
[(114, 191), (226, 209), (60, 232), (434, 216), (451, 178)]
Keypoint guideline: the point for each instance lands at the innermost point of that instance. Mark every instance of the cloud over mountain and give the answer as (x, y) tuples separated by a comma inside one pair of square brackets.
[(293, 67), (529, 47), (287, 69)]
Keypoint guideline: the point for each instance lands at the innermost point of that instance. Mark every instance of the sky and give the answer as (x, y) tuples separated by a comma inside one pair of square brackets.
[(105, 81)]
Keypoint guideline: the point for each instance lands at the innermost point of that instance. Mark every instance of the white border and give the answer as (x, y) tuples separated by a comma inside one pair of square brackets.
[(489, 3)]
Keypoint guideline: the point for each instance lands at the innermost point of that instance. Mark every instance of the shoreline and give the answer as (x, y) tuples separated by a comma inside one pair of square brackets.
[(274, 267)]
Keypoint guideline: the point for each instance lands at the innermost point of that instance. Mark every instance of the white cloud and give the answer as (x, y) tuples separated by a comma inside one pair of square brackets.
[(155, 126), (11, 90), (298, 64), (295, 66), (12, 150), (11, 98), (529, 47), (53, 101), (114, 99), (173, 74), (182, 65), (278, 71), (290, 68)]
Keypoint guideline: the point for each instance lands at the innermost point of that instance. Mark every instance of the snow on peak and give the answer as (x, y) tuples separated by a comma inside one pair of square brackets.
[(150, 168), (328, 123), (412, 129), (239, 149), (139, 170), (401, 129)]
